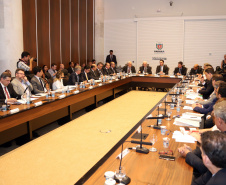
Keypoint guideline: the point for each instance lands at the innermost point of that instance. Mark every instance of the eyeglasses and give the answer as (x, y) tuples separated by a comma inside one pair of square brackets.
[(168, 152)]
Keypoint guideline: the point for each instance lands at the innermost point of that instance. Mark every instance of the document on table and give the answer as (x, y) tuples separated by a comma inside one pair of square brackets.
[(190, 102), (188, 108), (186, 122), (185, 138)]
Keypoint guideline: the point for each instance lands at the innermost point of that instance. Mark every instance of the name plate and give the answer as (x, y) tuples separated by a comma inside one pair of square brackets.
[(38, 103), (61, 96), (110, 81), (13, 111), (90, 87), (124, 153), (100, 84), (76, 92)]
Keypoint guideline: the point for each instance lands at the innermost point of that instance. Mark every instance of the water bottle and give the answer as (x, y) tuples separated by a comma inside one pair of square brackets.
[(103, 78), (178, 107), (28, 99), (68, 91), (63, 91), (93, 82)]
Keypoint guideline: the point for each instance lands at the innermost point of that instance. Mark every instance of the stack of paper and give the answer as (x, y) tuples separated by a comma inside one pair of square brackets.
[(185, 138), (186, 122), (187, 108), (192, 116)]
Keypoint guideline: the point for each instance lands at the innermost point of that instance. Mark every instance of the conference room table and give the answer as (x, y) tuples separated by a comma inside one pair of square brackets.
[(87, 147)]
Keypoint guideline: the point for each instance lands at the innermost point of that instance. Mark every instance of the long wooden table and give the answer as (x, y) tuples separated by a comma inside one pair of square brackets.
[(31, 118), (148, 169)]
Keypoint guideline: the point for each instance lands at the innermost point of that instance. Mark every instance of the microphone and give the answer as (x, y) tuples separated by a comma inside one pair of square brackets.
[(140, 142), (25, 89), (126, 179), (165, 115), (141, 149)]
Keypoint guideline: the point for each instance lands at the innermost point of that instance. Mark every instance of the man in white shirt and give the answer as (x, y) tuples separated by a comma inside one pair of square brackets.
[(7, 93), (53, 70)]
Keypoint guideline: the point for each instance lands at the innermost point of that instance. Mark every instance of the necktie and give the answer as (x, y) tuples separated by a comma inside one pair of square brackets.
[(111, 57), (7, 94), (113, 70), (129, 70), (77, 78), (161, 68), (145, 69), (41, 84), (86, 77), (180, 70)]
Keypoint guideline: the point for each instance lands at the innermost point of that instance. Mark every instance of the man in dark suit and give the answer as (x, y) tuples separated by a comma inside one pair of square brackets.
[(129, 68), (75, 76), (213, 147), (145, 68), (7, 93), (113, 68), (100, 69), (37, 82), (111, 58), (85, 76), (180, 70), (93, 72), (162, 68), (71, 68), (196, 70), (106, 69), (208, 87)]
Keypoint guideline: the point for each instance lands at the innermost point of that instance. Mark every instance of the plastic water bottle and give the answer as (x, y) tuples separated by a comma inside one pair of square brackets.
[(103, 78), (28, 99), (93, 82), (80, 87), (178, 106), (68, 91)]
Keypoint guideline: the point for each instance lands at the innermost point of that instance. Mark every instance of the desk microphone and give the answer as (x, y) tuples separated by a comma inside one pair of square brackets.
[(126, 179), (141, 149), (25, 89)]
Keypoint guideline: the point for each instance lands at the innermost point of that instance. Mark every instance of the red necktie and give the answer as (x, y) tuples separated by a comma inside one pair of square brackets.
[(7, 94)]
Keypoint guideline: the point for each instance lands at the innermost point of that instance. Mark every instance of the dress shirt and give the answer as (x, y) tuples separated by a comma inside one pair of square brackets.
[(6, 92)]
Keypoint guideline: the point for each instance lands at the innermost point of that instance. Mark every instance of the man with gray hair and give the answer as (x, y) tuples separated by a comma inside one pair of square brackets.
[(75, 76), (145, 68), (129, 68)]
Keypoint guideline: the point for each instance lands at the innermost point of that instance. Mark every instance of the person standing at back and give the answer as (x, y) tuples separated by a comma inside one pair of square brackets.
[(111, 58)]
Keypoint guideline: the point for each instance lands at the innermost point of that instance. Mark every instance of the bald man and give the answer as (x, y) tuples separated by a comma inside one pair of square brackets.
[(196, 70), (129, 68), (145, 68)]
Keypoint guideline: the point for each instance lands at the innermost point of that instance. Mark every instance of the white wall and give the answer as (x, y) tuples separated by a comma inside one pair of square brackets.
[(127, 9), (192, 31), (11, 34)]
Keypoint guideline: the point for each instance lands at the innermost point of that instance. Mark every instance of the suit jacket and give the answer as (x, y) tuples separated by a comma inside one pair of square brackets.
[(70, 70), (100, 72), (125, 68), (94, 74), (108, 59), (113, 70), (207, 89), (149, 69), (195, 72), (37, 86), (107, 71), (206, 108), (12, 93), (83, 76), (74, 77), (218, 179), (194, 159), (19, 88), (183, 70), (165, 69)]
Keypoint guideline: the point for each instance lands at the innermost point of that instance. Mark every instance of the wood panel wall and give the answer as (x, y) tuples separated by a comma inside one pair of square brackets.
[(59, 31)]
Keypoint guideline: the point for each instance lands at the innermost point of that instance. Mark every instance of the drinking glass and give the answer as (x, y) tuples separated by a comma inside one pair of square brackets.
[(120, 174), (168, 112), (153, 140)]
